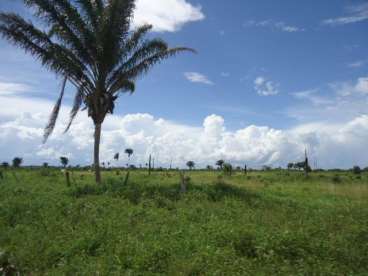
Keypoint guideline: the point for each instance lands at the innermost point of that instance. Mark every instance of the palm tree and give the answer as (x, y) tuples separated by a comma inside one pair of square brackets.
[(190, 165), (64, 161), (17, 161), (129, 152), (228, 168), (116, 157), (220, 163), (88, 43)]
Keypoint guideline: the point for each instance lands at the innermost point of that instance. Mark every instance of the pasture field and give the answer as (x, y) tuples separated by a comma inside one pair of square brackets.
[(262, 223)]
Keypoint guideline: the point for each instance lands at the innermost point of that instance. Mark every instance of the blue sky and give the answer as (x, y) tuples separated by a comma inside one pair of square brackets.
[(280, 64)]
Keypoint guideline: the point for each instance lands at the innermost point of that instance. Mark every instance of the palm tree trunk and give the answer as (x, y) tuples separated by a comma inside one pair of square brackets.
[(97, 152)]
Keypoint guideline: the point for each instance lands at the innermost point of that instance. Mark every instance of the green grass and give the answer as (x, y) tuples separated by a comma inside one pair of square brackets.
[(270, 223)]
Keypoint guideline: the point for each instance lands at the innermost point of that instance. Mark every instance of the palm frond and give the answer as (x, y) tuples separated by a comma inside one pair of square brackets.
[(54, 56), (78, 100), (91, 12), (115, 29), (54, 114), (150, 61), (99, 5), (79, 26), (143, 66), (67, 24), (125, 85), (148, 48), (136, 37)]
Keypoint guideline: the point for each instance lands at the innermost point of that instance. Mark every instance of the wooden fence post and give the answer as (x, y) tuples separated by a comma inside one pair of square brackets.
[(67, 178)]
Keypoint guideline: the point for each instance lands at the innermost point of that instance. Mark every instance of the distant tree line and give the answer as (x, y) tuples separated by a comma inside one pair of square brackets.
[(220, 165)]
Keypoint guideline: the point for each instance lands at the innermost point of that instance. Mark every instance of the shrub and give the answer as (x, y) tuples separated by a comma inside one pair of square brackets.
[(246, 246), (292, 247), (6, 266), (336, 179), (44, 172), (357, 170), (228, 169)]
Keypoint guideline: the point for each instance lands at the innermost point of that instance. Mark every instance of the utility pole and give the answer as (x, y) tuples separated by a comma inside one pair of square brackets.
[(149, 164), (306, 164)]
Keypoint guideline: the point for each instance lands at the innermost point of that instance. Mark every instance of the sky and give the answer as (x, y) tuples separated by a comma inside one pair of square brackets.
[(270, 79)]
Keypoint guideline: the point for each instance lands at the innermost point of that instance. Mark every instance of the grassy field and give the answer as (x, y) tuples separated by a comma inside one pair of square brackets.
[(263, 223)]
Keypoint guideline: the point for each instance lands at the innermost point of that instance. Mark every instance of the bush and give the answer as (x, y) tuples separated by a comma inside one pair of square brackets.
[(246, 246), (6, 266), (357, 170), (336, 179), (228, 169), (292, 247)]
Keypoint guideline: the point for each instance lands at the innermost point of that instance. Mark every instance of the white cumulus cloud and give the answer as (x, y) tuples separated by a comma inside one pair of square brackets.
[(360, 86), (265, 87), (355, 14), (166, 15), (10, 88), (274, 25), (336, 102), (313, 97), (331, 145), (197, 78)]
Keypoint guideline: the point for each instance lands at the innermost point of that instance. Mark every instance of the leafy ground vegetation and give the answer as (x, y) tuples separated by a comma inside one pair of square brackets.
[(262, 223)]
